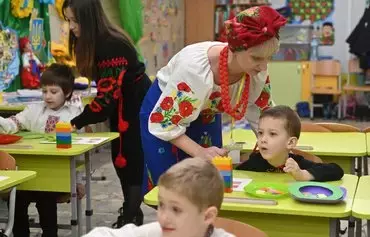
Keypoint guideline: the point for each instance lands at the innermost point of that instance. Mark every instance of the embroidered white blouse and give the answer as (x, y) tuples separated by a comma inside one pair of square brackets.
[(148, 230), (38, 118), (188, 91)]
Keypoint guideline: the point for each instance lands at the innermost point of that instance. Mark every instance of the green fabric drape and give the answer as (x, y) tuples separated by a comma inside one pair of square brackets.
[(131, 18), (21, 25)]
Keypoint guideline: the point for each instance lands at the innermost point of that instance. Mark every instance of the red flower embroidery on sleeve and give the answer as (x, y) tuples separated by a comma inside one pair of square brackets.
[(185, 108), (182, 86), (117, 93), (176, 119), (263, 100), (106, 84), (215, 95), (167, 103), (156, 117), (95, 107)]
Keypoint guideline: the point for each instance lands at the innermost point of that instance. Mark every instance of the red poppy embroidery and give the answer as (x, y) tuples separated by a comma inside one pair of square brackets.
[(263, 100), (176, 119), (95, 107), (156, 117), (172, 109), (117, 94), (183, 87), (106, 84), (186, 108), (167, 103), (207, 116), (214, 95)]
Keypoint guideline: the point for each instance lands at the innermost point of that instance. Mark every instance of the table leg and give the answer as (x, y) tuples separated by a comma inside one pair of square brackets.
[(366, 166), (368, 227), (79, 216), (358, 227), (334, 226), (74, 220), (89, 210), (359, 166), (351, 227), (353, 166), (10, 224)]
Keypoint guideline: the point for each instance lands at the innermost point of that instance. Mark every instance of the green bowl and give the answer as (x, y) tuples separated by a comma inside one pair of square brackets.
[(267, 190)]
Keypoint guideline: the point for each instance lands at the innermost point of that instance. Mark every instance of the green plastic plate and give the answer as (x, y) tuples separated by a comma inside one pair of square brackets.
[(30, 135), (316, 192), (267, 190)]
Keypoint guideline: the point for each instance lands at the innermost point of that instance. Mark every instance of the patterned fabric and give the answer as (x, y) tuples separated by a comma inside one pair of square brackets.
[(252, 27), (50, 123)]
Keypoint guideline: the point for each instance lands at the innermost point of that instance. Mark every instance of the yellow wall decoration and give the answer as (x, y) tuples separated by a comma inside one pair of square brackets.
[(22, 8), (59, 7)]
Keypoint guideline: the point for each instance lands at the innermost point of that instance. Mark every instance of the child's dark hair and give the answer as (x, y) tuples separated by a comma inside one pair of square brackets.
[(327, 23), (292, 120), (59, 75)]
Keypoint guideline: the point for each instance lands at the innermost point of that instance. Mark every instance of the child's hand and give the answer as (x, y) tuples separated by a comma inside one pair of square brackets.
[(80, 191), (293, 169)]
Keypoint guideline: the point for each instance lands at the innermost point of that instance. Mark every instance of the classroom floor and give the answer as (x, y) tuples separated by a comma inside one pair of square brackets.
[(107, 195)]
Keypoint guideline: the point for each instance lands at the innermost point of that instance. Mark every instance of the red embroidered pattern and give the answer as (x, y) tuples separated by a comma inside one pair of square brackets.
[(114, 62), (16, 121), (263, 101), (172, 110)]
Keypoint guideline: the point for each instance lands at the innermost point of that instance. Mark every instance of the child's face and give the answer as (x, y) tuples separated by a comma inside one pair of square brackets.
[(272, 138), (178, 217), (53, 97)]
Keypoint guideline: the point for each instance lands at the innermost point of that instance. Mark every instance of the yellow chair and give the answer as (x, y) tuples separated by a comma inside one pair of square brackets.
[(237, 228), (339, 127), (326, 80)]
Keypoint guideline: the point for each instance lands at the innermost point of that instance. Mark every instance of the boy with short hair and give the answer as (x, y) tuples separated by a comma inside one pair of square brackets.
[(190, 196), (278, 133)]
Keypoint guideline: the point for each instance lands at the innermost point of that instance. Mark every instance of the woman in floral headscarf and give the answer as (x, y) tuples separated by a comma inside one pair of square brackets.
[(180, 115)]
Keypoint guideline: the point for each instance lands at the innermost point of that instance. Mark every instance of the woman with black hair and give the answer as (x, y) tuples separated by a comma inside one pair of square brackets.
[(105, 54)]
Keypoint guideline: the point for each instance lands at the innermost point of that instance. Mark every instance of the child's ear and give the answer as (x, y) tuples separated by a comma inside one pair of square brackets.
[(292, 142), (210, 215)]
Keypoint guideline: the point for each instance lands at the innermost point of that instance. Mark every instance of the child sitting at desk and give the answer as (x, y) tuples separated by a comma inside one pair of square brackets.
[(57, 87), (190, 195), (278, 133)]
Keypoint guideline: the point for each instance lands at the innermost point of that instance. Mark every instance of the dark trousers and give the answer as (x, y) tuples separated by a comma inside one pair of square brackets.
[(46, 204)]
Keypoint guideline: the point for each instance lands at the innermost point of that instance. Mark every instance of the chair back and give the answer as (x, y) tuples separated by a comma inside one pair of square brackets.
[(339, 127), (312, 127), (237, 228), (7, 162)]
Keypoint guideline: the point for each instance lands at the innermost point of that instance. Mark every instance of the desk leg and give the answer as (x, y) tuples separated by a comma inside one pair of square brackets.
[(358, 227), (366, 167), (368, 227), (359, 166), (353, 166), (74, 220), (89, 210), (10, 224), (334, 227), (79, 216), (351, 227)]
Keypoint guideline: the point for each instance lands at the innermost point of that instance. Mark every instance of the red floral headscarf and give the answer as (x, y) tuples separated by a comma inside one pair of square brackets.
[(252, 27)]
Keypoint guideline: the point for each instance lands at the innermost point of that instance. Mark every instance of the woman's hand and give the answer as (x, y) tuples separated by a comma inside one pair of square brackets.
[(210, 152)]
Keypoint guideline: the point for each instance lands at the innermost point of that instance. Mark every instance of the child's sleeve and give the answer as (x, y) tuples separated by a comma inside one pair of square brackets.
[(20, 121), (320, 171)]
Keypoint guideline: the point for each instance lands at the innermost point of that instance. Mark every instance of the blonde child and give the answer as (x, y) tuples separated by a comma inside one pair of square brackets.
[(57, 84), (278, 133), (190, 196)]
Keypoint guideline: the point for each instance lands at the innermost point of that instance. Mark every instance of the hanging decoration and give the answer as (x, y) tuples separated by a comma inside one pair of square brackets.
[(9, 58), (22, 8), (59, 7)]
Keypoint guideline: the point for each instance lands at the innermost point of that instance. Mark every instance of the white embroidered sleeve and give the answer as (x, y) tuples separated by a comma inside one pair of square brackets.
[(20, 121), (180, 103)]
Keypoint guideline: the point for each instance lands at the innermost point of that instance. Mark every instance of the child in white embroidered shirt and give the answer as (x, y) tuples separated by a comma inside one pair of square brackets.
[(190, 195), (57, 87)]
